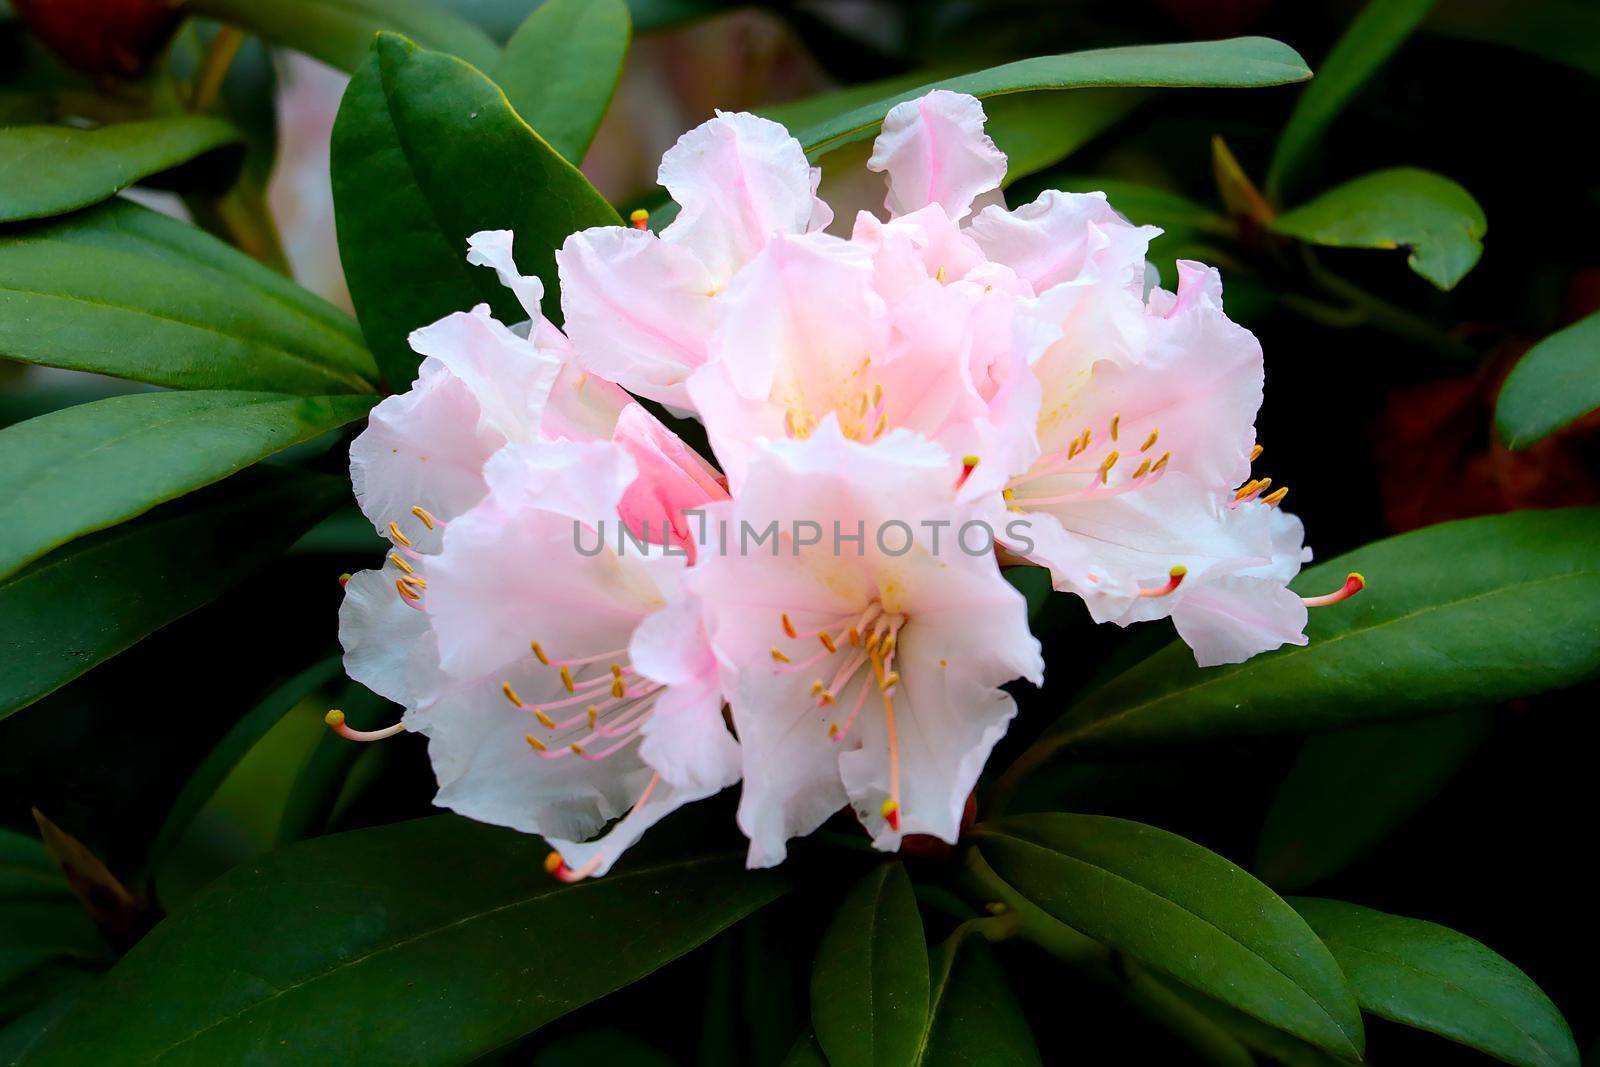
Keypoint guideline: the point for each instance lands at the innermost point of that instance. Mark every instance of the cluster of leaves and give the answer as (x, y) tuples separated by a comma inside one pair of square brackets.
[(440, 941)]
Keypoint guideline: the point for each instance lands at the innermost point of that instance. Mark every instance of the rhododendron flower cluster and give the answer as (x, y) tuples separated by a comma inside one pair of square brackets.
[(563, 613)]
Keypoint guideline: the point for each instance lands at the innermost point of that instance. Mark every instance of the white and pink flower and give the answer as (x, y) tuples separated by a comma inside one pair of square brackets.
[(951, 365)]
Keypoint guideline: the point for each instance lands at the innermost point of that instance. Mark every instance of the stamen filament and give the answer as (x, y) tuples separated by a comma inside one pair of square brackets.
[(335, 720), (1352, 585)]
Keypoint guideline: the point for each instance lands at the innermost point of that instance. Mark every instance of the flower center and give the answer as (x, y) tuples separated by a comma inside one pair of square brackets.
[(607, 704)]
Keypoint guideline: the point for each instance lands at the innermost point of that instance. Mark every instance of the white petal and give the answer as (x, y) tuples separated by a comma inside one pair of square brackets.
[(1060, 237), (638, 309), (509, 376), (1230, 619), (739, 180), (388, 645), (935, 152), (662, 800)]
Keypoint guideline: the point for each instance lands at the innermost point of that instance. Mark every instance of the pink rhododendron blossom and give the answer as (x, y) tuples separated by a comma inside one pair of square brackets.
[(592, 622)]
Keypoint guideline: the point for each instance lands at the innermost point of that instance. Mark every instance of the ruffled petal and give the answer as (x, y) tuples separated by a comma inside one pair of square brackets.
[(388, 644), (934, 151), (638, 308), (509, 376), (492, 248), (739, 180), (1061, 237)]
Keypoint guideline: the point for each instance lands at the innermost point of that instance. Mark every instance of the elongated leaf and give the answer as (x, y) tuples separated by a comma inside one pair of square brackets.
[(50, 170), (1238, 62), (431, 941), (250, 728), (1435, 218), (973, 1019), (1036, 132), (1278, 1046), (89, 600), (88, 467), (121, 290), (426, 152), (1350, 788), (561, 67), (1458, 615), (1436, 979), (1554, 383), (1366, 45), (869, 988), (339, 31), (1171, 904)]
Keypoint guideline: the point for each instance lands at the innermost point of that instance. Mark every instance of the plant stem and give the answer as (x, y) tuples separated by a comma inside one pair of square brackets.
[(214, 67), (1385, 316)]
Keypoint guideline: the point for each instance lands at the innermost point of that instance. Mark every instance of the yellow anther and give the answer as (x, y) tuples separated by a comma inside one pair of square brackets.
[(969, 461), (640, 218), (889, 808), (406, 591), (887, 648), (1162, 462), (1255, 453), (553, 863), (566, 679), (788, 627), (777, 654), (1275, 497), (424, 514), (1106, 465), (594, 715), (1143, 469), (855, 637), (825, 699), (827, 642), (833, 730), (577, 749), (1150, 442), (877, 394), (537, 745), (817, 687), (394, 532), (400, 561), (544, 720), (511, 694), (617, 688), (872, 641), (335, 717), (883, 424), (890, 680), (1116, 421), (538, 650)]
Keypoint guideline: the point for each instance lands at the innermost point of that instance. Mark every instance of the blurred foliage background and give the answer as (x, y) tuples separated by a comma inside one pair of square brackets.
[(1379, 414)]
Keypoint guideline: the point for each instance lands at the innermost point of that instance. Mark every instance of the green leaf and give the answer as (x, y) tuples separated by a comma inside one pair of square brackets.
[(1038, 131), (1554, 383), (1273, 1043), (1180, 908), (1374, 35), (561, 66), (1435, 218), (122, 290), (50, 170), (339, 31), (1435, 979), (973, 1020), (432, 941), (1458, 615), (1349, 789), (869, 988), (426, 152), (88, 467), (1238, 62), (222, 759), (88, 601)]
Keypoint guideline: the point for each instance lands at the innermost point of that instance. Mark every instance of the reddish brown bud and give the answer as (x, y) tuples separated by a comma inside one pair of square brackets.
[(118, 37)]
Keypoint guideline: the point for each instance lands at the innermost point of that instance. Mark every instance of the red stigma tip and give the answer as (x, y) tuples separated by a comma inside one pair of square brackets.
[(1353, 584)]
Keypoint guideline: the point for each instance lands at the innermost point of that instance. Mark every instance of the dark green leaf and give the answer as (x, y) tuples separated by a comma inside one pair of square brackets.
[(1348, 789), (222, 759), (1428, 213), (321, 779), (339, 31), (89, 600), (19, 1036), (973, 1021), (869, 988), (1177, 907), (1371, 38), (1554, 383), (50, 170), (1278, 1046), (425, 153), (1435, 979), (805, 1053), (88, 467), (1239, 62), (561, 67), (121, 290), (1038, 131), (432, 941), (1457, 615)]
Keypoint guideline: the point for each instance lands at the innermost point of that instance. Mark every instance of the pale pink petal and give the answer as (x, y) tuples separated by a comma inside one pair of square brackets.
[(686, 740), (638, 309), (583, 406), (427, 447), (509, 376), (492, 248), (1061, 237), (596, 857), (935, 152), (739, 180), (1230, 619), (388, 645)]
